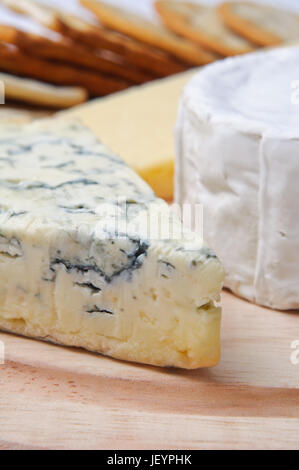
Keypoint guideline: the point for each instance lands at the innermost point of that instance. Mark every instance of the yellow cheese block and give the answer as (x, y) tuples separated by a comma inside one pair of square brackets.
[(138, 124)]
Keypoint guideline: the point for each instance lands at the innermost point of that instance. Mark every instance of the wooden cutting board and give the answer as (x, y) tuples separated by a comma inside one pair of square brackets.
[(58, 398)]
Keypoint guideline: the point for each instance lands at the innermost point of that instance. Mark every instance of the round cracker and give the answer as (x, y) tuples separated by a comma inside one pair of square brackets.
[(44, 16), (155, 35), (201, 24), (262, 24), (140, 58), (42, 94), (63, 49), (87, 30), (73, 54), (136, 54), (14, 61)]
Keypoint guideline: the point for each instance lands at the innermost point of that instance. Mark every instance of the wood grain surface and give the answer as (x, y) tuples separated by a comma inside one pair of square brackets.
[(58, 398)]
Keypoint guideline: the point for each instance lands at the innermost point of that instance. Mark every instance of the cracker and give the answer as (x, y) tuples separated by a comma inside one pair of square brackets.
[(41, 94), (76, 55), (11, 21), (201, 24), (47, 12), (262, 24), (39, 41), (79, 24), (43, 16), (13, 60), (155, 35), (142, 56)]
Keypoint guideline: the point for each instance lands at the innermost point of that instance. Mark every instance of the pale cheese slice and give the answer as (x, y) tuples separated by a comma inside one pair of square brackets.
[(82, 262)]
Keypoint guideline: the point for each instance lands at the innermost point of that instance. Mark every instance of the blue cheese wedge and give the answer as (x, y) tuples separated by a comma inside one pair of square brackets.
[(79, 265)]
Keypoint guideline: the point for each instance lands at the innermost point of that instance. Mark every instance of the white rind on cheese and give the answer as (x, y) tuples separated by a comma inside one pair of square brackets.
[(237, 146), (67, 276)]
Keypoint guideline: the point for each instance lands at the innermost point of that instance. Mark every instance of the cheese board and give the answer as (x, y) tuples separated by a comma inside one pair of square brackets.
[(62, 398)]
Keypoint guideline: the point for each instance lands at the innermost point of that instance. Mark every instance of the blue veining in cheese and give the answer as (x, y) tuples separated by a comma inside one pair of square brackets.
[(68, 274)]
